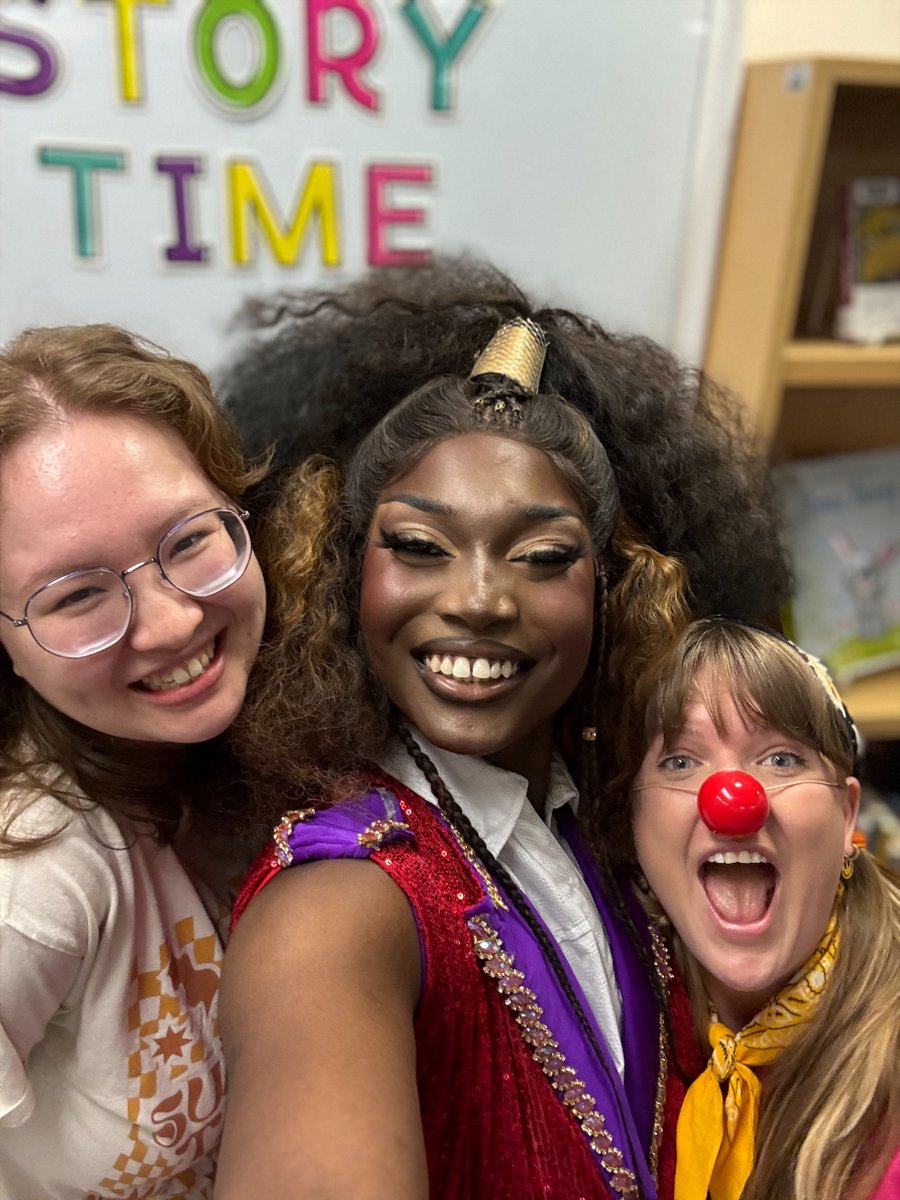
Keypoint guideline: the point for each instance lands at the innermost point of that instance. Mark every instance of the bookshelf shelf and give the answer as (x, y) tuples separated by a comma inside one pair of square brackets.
[(874, 703), (811, 363), (807, 128)]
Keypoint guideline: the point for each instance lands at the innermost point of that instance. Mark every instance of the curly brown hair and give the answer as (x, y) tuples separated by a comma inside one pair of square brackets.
[(695, 506), (45, 374), (316, 370)]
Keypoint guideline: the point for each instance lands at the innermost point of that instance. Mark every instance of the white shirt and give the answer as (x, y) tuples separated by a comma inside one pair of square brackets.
[(111, 1071), (537, 857)]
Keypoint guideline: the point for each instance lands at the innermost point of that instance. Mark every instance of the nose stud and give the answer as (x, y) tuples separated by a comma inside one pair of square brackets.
[(732, 803)]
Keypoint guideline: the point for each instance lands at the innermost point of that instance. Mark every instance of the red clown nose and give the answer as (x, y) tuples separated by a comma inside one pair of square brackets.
[(733, 803)]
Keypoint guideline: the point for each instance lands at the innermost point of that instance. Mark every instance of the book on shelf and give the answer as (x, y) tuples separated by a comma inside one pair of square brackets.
[(842, 531), (868, 307)]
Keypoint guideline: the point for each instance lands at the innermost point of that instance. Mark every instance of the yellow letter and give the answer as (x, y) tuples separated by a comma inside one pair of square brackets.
[(129, 51), (248, 193)]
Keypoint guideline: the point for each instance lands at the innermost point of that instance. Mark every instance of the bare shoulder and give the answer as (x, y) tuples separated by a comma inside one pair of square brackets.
[(319, 991)]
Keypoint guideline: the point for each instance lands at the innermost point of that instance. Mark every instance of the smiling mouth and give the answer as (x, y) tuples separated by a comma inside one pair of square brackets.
[(471, 670), (186, 672), (739, 885)]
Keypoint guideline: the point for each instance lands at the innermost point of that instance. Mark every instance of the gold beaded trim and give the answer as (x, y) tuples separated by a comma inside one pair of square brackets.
[(284, 855), (483, 874), (374, 834), (499, 965), (663, 965)]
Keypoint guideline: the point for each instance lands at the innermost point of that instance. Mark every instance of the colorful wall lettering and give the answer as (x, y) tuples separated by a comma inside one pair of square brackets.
[(163, 158)]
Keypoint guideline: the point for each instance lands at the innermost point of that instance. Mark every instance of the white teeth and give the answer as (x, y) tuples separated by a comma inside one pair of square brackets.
[(727, 857), (459, 667), (182, 674)]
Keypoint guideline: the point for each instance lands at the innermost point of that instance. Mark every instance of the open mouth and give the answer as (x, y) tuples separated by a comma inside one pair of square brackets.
[(739, 885), (178, 676), (471, 670)]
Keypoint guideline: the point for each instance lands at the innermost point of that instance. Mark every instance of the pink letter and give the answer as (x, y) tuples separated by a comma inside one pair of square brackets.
[(350, 65), (381, 215)]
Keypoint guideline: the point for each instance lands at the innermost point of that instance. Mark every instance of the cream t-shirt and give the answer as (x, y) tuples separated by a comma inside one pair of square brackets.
[(111, 1071)]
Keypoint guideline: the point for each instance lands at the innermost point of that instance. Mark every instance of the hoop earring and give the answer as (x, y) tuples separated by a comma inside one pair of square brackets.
[(589, 733), (848, 863)]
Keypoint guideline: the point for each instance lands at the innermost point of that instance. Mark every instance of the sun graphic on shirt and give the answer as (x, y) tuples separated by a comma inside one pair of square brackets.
[(171, 1044)]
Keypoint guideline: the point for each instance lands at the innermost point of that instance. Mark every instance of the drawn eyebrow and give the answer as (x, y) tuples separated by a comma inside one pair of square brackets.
[(532, 512), (550, 512), (422, 503)]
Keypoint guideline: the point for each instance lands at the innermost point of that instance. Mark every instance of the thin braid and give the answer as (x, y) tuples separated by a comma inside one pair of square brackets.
[(591, 786), (454, 814), (589, 767)]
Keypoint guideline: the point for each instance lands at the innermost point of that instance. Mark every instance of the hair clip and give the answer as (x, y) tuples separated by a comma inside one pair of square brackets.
[(516, 352)]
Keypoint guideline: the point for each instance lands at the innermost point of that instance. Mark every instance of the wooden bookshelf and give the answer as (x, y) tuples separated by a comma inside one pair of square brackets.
[(806, 128), (819, 363), (874, 703)]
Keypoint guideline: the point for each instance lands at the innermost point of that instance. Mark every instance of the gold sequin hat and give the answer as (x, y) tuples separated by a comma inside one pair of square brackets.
[(516, 352)]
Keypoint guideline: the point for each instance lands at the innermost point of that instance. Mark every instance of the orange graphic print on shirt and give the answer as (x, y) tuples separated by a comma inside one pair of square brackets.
[(177, 1075)]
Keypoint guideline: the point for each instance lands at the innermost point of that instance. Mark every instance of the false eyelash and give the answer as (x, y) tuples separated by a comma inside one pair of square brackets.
[(412, 545), (556, 556)]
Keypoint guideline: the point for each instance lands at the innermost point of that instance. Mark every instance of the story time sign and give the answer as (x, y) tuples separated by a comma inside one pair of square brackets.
[(160, 160)]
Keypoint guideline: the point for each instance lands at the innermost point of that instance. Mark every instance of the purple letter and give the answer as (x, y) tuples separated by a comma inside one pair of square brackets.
[(46, 67), (180, 170)]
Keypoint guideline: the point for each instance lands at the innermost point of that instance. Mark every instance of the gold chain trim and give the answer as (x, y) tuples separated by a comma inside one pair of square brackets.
[(284, 855), (499, 965), (483, 874), (663, 965)]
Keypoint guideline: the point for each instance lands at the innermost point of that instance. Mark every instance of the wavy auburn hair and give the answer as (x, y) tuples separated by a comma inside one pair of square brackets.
[(47, 375)]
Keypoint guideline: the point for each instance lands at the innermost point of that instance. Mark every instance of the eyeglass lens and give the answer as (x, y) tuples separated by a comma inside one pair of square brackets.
[(88, 611)]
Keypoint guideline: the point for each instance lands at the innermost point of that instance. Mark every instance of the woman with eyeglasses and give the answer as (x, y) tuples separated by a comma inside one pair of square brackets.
[(131, 612)]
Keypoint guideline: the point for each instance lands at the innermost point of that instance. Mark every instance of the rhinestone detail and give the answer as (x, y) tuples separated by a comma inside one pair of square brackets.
[(374, 834), (498, 964), (284, 855)]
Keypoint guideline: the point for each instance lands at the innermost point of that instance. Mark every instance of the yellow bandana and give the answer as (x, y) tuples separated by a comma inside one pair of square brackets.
[(715, 1138)]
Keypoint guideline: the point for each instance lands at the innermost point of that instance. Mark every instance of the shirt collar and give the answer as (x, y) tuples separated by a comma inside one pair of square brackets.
[(492, 798)]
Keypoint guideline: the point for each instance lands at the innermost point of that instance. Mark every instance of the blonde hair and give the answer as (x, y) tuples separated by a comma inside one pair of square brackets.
[(830, 1116), (830, 1109)]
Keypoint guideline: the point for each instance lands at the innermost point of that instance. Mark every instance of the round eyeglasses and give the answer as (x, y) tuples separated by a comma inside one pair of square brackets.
[(90, 610)]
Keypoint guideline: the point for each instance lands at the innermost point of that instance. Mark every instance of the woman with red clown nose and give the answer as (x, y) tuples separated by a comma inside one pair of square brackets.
[(788, 935)]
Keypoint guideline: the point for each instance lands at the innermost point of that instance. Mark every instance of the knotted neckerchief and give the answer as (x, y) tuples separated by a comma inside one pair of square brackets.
[(715, 1136)]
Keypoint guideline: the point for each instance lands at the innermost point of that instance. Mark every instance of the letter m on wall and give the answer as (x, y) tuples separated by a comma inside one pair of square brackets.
[(251, 208)]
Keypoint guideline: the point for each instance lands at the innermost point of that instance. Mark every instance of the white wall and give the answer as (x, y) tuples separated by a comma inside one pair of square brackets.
[(834, 28)]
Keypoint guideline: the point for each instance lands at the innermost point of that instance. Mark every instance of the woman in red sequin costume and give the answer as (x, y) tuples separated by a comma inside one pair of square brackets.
[(453, 998)]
